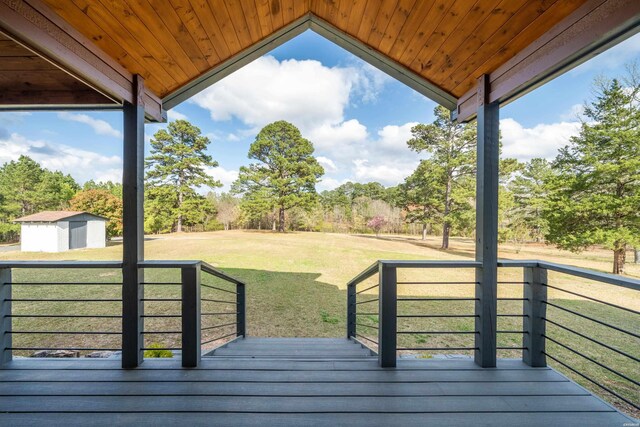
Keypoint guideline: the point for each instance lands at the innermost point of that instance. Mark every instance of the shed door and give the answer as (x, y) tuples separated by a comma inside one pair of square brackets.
[(77, 234)]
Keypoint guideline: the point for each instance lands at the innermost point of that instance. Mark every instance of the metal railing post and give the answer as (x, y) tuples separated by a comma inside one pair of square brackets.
[(387, 312), (191, 316), (535, 292), (241, 319), (5, 312), (351, 311)]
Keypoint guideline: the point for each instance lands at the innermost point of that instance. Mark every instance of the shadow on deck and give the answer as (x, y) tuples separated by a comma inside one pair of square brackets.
[(280, 381)]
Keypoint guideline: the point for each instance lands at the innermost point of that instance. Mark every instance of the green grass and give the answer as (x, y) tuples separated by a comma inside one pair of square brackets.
[(296, 287)]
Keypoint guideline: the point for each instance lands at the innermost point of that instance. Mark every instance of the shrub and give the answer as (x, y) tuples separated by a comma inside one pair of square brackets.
[(157, 352)]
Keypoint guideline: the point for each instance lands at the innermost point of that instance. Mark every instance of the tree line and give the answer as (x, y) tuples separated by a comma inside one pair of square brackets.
[(588, 195)]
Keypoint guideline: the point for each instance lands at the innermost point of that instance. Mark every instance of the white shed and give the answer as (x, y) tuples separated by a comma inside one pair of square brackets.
[(59, 231)]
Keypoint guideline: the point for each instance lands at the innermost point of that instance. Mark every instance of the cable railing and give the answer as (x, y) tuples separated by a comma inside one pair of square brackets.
[(586, 336), (548, 312), (224, 314), (52, 307), (57, 306)]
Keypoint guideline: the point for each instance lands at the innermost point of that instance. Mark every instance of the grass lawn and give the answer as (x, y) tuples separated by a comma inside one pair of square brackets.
[(296, 287)]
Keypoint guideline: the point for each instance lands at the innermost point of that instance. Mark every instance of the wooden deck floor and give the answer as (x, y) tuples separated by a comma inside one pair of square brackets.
[(324, 382)]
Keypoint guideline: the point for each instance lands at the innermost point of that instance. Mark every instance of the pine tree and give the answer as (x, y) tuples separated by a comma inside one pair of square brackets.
[(452, 152), (178, 161), (595, 190), (286, 173)]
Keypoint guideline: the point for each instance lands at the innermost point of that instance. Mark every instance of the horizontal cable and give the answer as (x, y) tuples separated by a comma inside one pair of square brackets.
[(219, 314), (512, 332), (437, 315), (218, 289), (368, 339), (513, 283), (436, 348), (68, 316), (512, 348), (64, 332), (592, 299), (62, 300), (512, 299), (438, 299), (217, 326), (438, 332), (63, 283), (367, 314), (218, 300), (590, 359), (219, 338), (608, 390), (367, 326), (62, 348), (368, 289), (159, 316), (592, 319), (160, 332), (438, 283), (367, 301), (592, 340), (161, 300), (512, 315), (162, 283)]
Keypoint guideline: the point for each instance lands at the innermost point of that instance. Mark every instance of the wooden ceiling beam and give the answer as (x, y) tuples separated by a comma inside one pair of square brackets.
[(35, 26), (49, 99), (591, 29)]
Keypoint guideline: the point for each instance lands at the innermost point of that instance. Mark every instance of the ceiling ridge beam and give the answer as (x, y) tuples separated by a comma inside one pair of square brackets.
[(237, 61), (39, 29), (594, 27)]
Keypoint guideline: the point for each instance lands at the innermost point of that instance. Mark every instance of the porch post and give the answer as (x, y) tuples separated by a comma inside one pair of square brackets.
[(486, 226), (133, 229)]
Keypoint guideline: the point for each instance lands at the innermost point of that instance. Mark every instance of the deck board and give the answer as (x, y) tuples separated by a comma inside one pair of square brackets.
[(288, 389)]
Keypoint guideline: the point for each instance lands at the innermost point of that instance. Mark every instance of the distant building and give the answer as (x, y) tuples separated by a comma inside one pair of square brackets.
[(59, 231)]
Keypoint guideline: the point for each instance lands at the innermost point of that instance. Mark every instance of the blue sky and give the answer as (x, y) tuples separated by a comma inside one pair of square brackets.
[(357, 117)]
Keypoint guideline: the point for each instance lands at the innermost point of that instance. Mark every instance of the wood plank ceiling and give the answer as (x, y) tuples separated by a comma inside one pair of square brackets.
[(449, 43), (23, 72)]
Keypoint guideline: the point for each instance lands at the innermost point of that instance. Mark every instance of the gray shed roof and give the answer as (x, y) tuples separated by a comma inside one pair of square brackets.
[(55, 216)]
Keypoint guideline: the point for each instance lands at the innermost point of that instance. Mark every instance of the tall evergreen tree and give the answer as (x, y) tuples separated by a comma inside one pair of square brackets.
[(595, 190), (178, 161), (286, 172), (530, 194), (452, 152)]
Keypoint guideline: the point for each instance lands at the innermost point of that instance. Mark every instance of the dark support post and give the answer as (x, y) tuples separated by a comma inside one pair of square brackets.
[(535, 292), (351, 311), (486, 227), (191, 316), (133, 229), (5, 312), (387, 313), (241, 319)]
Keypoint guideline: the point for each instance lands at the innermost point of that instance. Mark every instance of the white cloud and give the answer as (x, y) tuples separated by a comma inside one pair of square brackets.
[(100, 127), (327, 164), (81, 164), (174, 114), (575, 113), (542, 140), (303, 92), (226, 177), (385, 173), (338, 137), (329, 183)]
